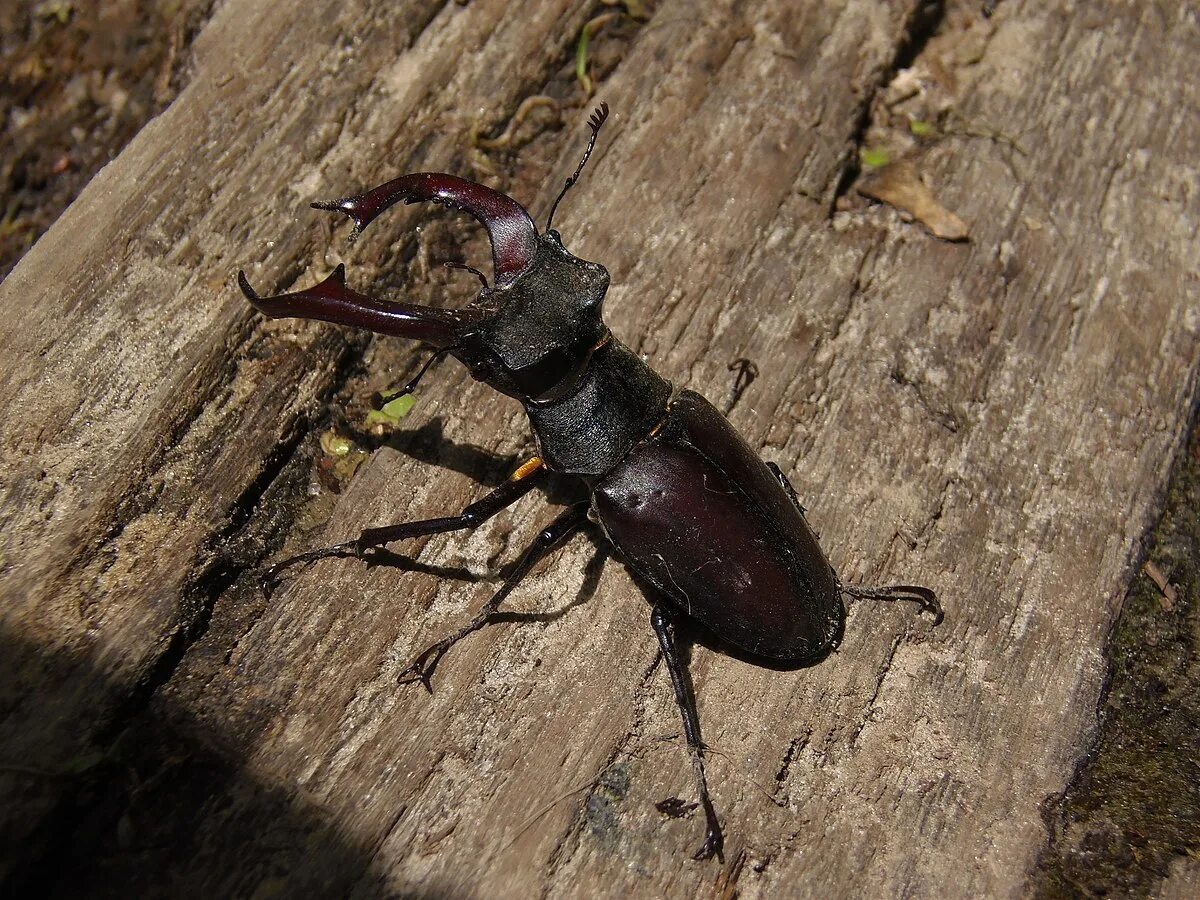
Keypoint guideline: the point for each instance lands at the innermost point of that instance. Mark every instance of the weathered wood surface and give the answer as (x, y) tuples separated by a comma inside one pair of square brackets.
[(994, 418)]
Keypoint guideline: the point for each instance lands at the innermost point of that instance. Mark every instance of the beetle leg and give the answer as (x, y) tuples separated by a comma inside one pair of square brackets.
[(911, 593), (787, 486), (415, 380), (332, 301), (713, 839), (550, 538), (517, 486)]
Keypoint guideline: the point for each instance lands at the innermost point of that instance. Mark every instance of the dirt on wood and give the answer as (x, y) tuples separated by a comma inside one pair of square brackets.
[(77, 81)]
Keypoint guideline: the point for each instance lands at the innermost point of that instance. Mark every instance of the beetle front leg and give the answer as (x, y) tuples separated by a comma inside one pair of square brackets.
[(550, 538), (713, 839), (524, 479)]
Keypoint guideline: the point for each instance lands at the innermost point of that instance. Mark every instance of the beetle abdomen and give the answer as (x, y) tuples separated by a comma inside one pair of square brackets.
[(700, 516)]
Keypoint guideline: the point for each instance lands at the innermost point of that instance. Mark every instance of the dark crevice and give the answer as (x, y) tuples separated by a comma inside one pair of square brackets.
[(869, 707), (228, 559), (778, 795), (922, 25), (230, 552)]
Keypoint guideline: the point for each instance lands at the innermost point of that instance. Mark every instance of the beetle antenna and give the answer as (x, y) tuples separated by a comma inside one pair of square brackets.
[(412, 384), (597, 118), (912, 593), (465, 268)]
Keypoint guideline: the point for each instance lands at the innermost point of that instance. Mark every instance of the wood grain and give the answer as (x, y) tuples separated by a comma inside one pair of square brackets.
[(995, 419)]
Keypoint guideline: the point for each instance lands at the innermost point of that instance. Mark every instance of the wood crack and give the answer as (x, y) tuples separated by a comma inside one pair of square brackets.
[(923, 22), (868, 708), (779, 794)]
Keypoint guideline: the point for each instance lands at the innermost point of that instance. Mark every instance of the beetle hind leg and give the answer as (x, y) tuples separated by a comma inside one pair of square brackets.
[(550, 538), (910, 593), (713, 839)]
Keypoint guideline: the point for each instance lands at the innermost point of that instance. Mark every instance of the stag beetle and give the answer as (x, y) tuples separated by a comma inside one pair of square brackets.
[(717, 533)]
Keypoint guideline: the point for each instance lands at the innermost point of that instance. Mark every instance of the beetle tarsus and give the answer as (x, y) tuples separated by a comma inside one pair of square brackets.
[(421, 668), (416, 379), (714, 841), (911, 593), (269, 579)]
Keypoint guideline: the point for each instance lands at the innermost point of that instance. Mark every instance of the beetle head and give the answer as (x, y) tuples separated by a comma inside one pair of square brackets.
[(537, 344)]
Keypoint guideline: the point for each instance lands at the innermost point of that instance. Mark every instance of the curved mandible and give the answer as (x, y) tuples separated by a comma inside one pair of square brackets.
[(332, 301), (512, 232)]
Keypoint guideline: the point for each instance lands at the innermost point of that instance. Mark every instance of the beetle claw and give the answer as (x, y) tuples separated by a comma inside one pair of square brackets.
[(422, 667), (269, 577)]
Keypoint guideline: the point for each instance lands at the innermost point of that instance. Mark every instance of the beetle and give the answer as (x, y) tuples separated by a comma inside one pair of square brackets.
[(717, 534)]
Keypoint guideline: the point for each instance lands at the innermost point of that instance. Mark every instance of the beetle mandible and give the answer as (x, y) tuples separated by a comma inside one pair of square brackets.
[(673, 486)]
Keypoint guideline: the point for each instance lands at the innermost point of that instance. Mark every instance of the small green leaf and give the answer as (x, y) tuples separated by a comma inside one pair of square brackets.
[(392, 411), (874, 157), (921, 129), (581, 62)]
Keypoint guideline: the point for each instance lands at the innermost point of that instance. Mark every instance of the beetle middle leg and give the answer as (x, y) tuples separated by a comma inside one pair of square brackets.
[(524, 479), (550, 538), (787, 486), (713, 839)]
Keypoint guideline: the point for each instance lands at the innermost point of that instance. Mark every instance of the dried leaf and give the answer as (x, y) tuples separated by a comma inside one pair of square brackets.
[(900, 185), (1169, 594)]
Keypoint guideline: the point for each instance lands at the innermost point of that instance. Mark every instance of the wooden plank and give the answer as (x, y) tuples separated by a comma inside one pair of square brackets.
[(995, 419)]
